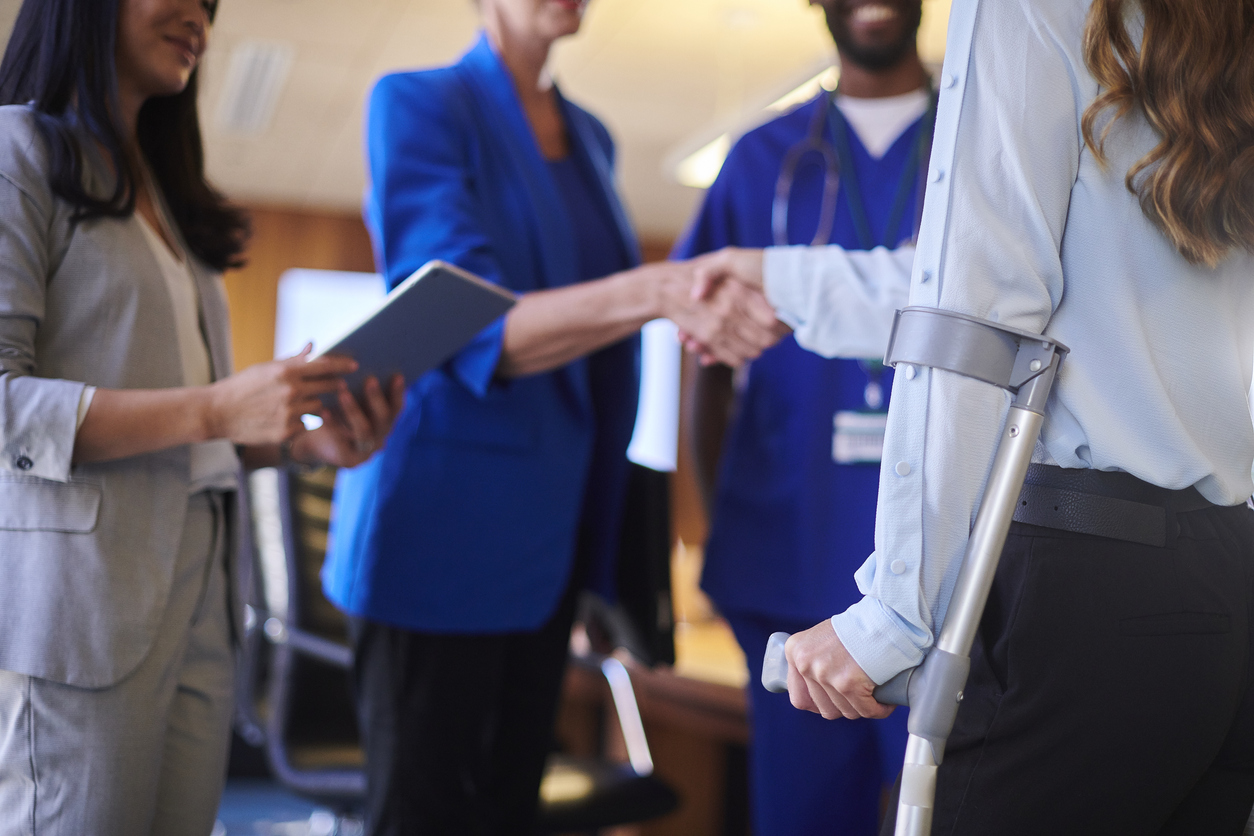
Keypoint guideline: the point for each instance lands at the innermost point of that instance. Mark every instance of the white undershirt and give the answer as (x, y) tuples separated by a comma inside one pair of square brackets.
[(213, 463), (878, 122)]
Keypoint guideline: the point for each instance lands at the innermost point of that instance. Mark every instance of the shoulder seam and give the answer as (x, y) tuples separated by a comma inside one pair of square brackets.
[(25, 192)]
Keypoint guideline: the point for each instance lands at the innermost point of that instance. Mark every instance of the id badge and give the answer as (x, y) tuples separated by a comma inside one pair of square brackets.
[(858, 437)]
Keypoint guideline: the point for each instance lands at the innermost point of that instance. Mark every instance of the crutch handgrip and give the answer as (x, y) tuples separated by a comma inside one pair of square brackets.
[(775, 674), (774, 665), (894, 691)]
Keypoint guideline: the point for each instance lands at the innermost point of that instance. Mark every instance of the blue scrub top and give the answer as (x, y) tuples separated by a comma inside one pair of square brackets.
[(790, 526)]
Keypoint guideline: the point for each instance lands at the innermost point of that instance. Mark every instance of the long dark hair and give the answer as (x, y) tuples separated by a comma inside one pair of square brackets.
[(1192, 76), (60, 59)]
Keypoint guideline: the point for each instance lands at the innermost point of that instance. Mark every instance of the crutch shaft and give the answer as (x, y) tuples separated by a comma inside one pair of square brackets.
[(988, 535), (918, 790)]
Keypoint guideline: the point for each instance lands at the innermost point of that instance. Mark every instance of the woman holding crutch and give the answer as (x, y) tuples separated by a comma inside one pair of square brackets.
[(1092, 180), (122, 427)]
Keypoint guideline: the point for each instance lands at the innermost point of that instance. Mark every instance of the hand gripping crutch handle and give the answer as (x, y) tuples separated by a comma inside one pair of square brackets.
[(775, 674), (1024, 364)]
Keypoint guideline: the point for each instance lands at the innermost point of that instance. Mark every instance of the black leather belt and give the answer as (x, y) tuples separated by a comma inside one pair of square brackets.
[(1104, 504)]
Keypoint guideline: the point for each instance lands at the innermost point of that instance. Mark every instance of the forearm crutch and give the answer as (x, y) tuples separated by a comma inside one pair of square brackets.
[(1024, 364)]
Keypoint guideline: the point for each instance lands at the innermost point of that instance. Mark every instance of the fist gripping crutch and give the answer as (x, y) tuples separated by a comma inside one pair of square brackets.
[(1024, 364)]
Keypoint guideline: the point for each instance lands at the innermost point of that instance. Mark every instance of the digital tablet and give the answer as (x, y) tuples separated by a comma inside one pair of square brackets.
[(424, 321)]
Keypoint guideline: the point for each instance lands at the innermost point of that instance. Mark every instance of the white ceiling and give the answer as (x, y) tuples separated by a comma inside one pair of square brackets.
[(665, 75)]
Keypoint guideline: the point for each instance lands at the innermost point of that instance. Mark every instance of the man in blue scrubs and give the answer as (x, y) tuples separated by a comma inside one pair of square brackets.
[(788, 450)]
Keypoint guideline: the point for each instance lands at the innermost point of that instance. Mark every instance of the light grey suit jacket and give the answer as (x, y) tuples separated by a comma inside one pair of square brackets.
[(86, 551)]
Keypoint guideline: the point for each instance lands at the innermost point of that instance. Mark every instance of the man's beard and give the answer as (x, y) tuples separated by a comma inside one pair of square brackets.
[(875, 58)]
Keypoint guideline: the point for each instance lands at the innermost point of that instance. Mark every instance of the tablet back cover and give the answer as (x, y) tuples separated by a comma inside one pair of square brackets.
[(424, 321)]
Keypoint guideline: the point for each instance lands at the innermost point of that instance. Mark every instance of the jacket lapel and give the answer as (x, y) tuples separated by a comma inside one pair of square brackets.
[(214, 318), (592, 157), (508, 133)]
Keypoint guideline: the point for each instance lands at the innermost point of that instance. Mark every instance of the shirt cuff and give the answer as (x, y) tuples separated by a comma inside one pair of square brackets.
[(475, 365), (40, 428), (84, 404), (876, 640), (785, 281)]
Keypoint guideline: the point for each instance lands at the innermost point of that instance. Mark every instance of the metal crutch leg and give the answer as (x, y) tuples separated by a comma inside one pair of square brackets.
[(1024, 364)]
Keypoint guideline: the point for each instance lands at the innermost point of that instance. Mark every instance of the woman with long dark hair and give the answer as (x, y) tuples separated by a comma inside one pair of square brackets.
[(1093, 179), (122, 427)]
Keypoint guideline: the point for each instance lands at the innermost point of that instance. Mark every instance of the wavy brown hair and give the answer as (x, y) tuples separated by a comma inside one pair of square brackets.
[(1192, 76)]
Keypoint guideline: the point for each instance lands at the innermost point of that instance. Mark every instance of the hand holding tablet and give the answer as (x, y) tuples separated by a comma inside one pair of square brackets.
[(424, 321)]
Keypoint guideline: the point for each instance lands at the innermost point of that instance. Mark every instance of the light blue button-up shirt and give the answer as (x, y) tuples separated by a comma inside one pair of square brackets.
[(1022, 226)]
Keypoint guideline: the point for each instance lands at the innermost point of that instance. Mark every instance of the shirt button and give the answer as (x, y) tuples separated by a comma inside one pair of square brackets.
[(898, 566), (911, 372), (23, 463), (950, 79), (926, 276), (903, 468), (937, 175)]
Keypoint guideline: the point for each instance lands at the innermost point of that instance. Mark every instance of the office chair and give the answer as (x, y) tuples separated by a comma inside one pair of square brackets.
[(295, 693)]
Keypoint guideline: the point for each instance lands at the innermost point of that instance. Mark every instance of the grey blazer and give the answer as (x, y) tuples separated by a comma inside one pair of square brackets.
[(86, 551)]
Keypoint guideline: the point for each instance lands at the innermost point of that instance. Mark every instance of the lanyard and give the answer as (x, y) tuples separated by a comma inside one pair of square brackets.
[(849, 178)]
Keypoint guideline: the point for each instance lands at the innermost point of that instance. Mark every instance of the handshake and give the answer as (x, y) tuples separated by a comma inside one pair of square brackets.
[(716, 301), (719, 305)]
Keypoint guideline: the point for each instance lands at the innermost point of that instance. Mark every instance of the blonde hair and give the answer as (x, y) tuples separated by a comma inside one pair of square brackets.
[(1193, 79)]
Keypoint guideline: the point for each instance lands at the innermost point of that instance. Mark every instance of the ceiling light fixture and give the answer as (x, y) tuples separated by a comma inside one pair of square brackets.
[(254, 79), (701, 167), (825, 80)]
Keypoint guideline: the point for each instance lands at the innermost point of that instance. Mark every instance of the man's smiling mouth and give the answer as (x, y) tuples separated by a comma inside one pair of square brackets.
[(873, 13)]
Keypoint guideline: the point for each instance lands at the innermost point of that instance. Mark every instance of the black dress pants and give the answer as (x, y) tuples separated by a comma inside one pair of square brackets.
[(457, 728), (1110, 689)]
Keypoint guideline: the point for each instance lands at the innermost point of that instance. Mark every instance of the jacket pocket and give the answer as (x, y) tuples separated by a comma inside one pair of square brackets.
[(31, 504)]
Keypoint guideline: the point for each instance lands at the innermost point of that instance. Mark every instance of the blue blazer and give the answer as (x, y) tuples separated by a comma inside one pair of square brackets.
[(467, 520)]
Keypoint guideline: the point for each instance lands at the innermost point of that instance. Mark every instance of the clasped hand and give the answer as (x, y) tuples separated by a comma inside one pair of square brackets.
[(825, 679), (729, 283), (724, 321)]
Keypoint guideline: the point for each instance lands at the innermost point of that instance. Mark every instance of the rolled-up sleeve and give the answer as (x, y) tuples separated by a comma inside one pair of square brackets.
[(839, 303), (38, 416), (1005, 158)]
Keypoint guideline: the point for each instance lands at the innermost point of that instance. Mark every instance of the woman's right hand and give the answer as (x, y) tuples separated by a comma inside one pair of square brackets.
[(263, 404)]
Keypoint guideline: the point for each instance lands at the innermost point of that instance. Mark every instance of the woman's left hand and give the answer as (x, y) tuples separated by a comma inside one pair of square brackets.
[(349, 437)]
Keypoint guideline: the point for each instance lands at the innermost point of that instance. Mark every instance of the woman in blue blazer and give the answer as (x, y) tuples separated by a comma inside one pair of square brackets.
[(459, 549)]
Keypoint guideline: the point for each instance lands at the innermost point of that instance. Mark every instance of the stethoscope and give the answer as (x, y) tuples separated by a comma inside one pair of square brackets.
[(836, 157)]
